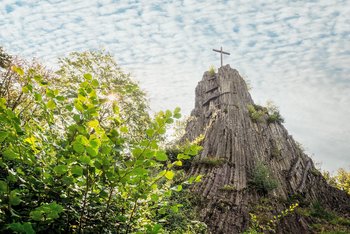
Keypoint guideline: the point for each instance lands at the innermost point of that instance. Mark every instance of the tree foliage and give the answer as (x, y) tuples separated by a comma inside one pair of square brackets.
[(70, 172), (340, 180), (114, 85)]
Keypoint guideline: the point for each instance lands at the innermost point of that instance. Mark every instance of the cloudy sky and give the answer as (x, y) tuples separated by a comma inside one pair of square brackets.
[(296, 53)]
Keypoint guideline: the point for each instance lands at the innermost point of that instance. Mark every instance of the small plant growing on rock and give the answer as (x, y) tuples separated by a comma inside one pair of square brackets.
[(212, 71), (275, 152), (274, 115), (262, 179), (258, 226), (256, 113)]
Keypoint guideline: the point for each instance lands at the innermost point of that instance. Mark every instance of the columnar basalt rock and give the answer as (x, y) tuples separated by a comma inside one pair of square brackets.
[(234, 144)]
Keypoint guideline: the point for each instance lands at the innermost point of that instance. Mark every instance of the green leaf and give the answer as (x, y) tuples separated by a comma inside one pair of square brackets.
[(92, 151), (93, 124), (46, 212), (95, 143), (25, 89), (198, 178), (60, 169), (94, 83), (14, 199), (182, 156), (3, 187), (3, 136), (60, 98), (85, 159), (161, 156), (77, 170), (21, 228), (78, 147), (169, 175), (69, 107), (150, 132), (124, 129), (9, 154), (178, 163), (51, 104), (38, 97), (18, 70), (88, 76)]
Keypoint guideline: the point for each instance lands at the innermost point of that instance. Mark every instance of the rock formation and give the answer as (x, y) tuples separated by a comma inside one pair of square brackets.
[(234, 146)]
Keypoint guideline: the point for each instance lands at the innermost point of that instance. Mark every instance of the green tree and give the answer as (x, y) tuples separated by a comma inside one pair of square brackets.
[(340, 180), (80, 174), (114, 85)]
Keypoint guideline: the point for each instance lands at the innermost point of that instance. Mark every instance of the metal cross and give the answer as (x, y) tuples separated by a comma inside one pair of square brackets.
[(221, 52)]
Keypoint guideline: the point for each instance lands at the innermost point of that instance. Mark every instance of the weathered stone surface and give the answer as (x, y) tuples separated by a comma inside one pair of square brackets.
[(221, 115)]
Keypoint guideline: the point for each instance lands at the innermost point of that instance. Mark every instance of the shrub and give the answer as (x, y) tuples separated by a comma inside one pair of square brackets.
[(262, 179), (81, 175), (257, 113), (275, 152), (212, 71), (275, 117)]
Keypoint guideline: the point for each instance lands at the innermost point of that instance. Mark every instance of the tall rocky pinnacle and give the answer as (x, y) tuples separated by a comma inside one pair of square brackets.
[(236, 149)]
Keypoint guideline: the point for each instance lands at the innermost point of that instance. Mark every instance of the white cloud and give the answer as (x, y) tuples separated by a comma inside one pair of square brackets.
[(294, 52)]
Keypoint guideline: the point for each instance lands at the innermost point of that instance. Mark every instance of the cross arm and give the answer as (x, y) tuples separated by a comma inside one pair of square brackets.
[(221, 51)]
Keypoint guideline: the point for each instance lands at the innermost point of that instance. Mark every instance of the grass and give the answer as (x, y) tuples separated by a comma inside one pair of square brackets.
[(326, 222)]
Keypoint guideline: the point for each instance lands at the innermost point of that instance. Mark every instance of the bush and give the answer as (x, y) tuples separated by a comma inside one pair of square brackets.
[(212, 71), (275, 117), (262, 179), (73, 173), (256, 113)]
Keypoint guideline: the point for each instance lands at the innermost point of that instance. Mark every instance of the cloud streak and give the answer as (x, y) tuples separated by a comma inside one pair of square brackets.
[(294, 52)]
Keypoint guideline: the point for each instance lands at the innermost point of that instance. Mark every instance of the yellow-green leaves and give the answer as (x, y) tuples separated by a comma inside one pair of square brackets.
[(18, 70), (51, 104), (91, 146), (88, 76), (169, 175)]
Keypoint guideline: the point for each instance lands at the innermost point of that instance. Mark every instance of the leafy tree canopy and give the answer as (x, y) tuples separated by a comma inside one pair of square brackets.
[(73, 167)]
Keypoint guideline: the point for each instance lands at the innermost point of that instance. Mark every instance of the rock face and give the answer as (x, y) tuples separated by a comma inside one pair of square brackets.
[(234, 145)]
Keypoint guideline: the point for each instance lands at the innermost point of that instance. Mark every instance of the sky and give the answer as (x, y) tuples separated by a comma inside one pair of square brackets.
[(295, 53)]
